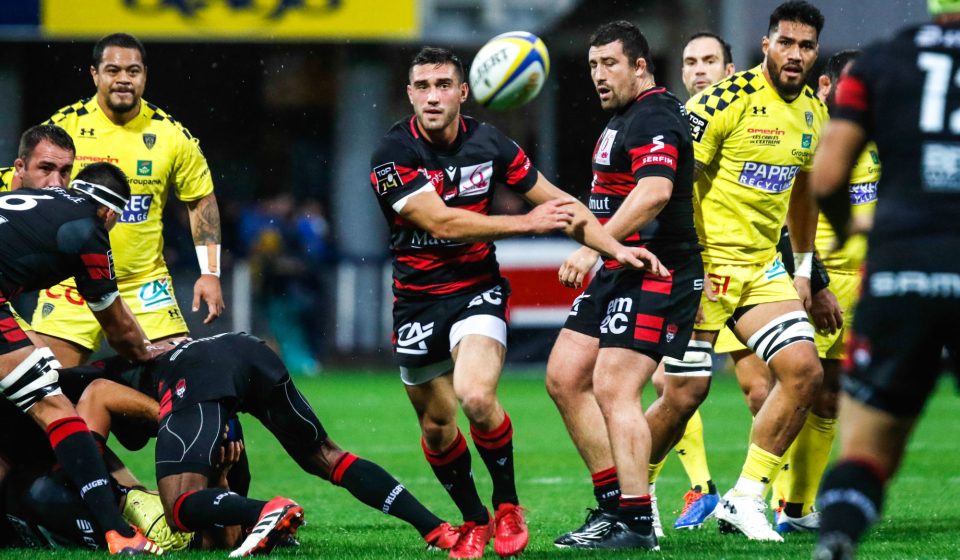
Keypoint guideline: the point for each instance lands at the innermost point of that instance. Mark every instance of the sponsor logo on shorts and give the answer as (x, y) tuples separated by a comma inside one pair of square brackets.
[(768, 177), (181, 388), (412, 338), (698, 125), (137, 209), (475, 179), (615, 321), (602, 156), (776, 270), (155, 295), (144, 167), (862, 193), (575, 308), (493, 296)]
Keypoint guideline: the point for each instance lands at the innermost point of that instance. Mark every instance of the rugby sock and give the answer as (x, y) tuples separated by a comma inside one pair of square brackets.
[(758, 470), (606, 489), (637, 513), (77, 454), (452, 468), (372, 485), (811, 451), (496, 450), (203, 509), (851, 498), (653, 470), (783, 478), (693, 453)]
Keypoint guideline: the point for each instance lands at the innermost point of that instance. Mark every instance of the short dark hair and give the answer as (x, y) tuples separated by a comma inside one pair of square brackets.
[(634, 43), (797, 11), (438, 56), (837, 62), (122, 40), (107, 175), (38, 133), (724, 46)]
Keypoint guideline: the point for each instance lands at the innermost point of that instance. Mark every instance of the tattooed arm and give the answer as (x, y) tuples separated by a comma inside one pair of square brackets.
[(205, 227)]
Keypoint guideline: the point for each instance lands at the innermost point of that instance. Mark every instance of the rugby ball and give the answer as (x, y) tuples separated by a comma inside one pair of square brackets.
[(509, 70)]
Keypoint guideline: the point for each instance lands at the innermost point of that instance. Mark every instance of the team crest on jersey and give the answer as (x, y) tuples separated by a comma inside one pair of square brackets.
[(387, 177), (671, 332), (475, 179), (602, 155), (46, 310), (698, 125), (180, 388), (149, 140), (808, 116)]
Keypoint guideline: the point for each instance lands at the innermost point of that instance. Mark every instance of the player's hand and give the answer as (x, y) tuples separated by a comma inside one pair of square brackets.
[(642, 259), (578, 265), (230, 453), (825, 311), (207, 288), (802, 284), (552, 215), (710, 294)]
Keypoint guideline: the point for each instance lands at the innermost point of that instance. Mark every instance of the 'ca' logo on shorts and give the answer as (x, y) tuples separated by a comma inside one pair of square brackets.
[(412, 338), (155, 295)]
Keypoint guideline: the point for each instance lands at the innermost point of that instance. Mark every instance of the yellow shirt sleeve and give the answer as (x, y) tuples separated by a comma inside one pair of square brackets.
[(714, 125), (192, 180)]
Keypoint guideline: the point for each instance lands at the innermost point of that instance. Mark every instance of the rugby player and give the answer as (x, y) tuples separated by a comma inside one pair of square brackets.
[(898, 93), (707, 59), (47, 236), (626, 321), (160, 157), (433, 174), (754, 135)]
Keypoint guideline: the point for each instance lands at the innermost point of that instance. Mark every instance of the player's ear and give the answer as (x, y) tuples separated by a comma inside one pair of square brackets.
[(464, 91), (765, 45), (729, 70), (640, 66), (823, 86), (410, 93), (19, 165)]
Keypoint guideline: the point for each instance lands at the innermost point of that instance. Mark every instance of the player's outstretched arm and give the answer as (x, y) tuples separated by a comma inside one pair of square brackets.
[(123, 332), (428, 212), (205, 227)]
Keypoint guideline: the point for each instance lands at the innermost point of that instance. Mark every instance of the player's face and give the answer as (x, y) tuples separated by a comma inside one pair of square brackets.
[(789, 54), (120, 79), (615, 77), (703, 64), (436, 93), (48, 166)]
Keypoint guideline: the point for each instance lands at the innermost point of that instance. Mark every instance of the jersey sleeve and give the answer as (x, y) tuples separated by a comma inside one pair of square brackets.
[(395, 172), (519, 174), (653, 146), (853, 97), (95, 275), (192, 180), (709, 125)]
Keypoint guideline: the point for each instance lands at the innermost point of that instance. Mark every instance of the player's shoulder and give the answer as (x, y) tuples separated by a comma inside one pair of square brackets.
[(73, 112), (475, 130), (399, 139), (163, 120), (728, 94), (812, 101)]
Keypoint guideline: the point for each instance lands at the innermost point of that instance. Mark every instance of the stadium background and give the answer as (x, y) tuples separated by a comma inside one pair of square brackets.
[(288, 98)]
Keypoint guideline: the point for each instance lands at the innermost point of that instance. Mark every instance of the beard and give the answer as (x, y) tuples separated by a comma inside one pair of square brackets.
[(122, 108), (785, 89)]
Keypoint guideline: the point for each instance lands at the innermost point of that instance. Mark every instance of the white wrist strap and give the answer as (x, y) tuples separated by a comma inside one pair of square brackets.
[(209, 259), (802, 264)]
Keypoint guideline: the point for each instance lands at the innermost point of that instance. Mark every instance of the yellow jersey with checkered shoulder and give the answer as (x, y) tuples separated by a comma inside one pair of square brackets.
[(863, 200), (158, 155), (6, 178), (752, 144)]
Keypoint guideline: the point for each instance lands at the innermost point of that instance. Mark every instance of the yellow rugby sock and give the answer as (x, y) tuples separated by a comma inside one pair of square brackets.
[(783, 478), (653, 470), (810, 458), (758, 470), (693, 453)]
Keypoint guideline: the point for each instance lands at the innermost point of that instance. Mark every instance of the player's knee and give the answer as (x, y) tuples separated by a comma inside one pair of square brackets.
[(687, 398), (826, 403), (31, 381), (436, 431), (756, 392), (803, 378), (478, 404)]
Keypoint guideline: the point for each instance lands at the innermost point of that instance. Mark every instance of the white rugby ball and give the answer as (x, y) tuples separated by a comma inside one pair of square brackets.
[(509, 70)]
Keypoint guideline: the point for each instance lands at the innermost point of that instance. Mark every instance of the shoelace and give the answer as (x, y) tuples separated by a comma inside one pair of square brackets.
[(472, 534), (511, 518), (689, 499)]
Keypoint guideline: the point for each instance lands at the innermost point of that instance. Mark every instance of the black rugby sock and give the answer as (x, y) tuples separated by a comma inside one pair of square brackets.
[(606, 489), (206, 508), (77, 454), (637, 513), (452, 467), (372, 485), (496, 450), (850, 499)]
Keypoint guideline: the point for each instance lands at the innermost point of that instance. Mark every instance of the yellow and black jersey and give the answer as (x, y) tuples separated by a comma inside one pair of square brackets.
[(752, 143), (6, 178), (863, 199), (157, 154)]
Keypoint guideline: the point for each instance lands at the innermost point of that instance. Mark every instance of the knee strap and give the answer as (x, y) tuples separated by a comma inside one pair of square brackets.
[(779, 333), (697, 361), (32, 380)]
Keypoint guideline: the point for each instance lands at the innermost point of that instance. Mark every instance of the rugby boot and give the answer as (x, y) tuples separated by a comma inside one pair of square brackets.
[(279, 518), (473, 540), (597, 524), (137, 544), (698, 508), (510, 531), (443, 537)]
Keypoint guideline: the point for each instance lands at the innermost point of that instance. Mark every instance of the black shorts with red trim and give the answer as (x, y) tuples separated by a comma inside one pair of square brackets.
[(12, 337), (422, 327), (632, 309), (905, 319)]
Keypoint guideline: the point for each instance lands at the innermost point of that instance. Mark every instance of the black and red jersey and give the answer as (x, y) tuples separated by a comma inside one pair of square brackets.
[(463, 175), (905, 94), (48, 235), (650, 137)]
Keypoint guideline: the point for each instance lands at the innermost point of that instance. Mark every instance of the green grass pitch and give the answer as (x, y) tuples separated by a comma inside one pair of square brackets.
[(368, 414)]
